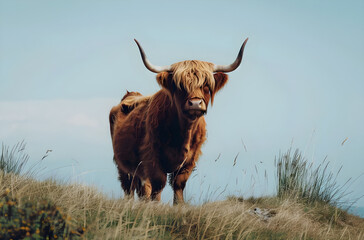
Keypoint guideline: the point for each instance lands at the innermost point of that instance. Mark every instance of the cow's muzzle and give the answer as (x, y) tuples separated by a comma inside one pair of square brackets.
[(195, 108)]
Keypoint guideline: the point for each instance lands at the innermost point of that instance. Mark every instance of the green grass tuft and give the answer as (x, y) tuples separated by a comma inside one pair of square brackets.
[(302, 180), (14, 160)]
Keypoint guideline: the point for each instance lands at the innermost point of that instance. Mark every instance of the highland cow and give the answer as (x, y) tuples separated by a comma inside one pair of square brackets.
[(153, 136)]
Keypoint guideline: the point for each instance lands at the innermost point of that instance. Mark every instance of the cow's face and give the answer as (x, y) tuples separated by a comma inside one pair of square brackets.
[(192, 83), (192, 100)]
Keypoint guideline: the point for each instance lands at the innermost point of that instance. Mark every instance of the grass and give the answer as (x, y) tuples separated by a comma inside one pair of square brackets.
[(13, 160), (298, 178), (33, 220), (108, 218)]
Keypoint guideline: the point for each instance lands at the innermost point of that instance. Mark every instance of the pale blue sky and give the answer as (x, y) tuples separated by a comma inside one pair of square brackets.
[(64, 64)]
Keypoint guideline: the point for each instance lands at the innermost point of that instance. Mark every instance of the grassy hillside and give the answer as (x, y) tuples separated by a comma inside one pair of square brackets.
[(304, 208), (234, 218)]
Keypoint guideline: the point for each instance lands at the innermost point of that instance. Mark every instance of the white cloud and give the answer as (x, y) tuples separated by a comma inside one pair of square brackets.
[(54, 117), (82, 119)]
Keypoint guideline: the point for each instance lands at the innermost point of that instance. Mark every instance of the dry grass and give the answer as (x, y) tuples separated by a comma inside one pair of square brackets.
[(106, 218)]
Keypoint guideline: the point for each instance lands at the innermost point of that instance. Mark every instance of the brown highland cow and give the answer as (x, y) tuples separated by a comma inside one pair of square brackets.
[(162, 134)]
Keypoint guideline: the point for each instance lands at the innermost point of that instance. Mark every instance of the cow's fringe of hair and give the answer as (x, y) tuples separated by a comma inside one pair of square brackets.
[(192, 74)]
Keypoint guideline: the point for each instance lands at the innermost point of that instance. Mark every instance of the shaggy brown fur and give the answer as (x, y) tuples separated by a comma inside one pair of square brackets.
[(160, 134)]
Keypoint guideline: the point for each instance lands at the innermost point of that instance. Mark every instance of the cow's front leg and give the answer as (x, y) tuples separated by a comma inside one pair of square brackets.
[(178, 181), (128, 183), (151, 188), (158, 180), (158, 183), (144, 189)]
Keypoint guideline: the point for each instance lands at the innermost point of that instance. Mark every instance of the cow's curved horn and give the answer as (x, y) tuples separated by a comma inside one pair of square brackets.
[(149, 65), (235, 64)]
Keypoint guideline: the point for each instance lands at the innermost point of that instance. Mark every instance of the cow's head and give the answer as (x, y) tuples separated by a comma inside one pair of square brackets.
[(192, 83)]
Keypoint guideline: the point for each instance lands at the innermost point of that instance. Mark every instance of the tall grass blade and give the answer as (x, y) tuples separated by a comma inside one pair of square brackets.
[(13, 160)]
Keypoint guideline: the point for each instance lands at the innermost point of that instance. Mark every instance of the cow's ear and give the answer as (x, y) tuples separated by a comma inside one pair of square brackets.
[(164, 79), (220, 81)]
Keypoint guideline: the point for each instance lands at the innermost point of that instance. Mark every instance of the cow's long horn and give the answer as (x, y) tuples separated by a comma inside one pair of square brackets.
[(149, 65), (235, 64)]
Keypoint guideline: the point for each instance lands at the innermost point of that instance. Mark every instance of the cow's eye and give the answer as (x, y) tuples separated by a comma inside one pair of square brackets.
[(206, 89)]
